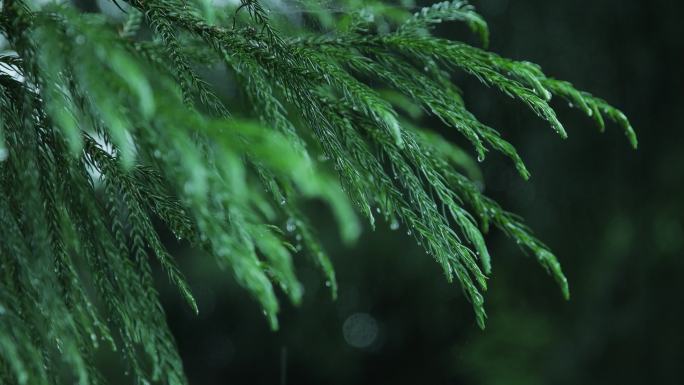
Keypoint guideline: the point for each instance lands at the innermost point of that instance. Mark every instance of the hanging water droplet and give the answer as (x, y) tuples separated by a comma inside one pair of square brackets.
[(480, 158), (290, 226), (571, 105), (394, 225), (328, 283), (408, 232), (282, 202), (157, 154), (298, 237)]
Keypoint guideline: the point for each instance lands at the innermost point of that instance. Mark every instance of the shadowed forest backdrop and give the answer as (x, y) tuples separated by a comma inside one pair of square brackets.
[(614, 216)]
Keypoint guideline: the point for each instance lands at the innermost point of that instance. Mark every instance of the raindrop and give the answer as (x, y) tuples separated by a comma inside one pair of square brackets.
[(290, 226), (394, 225), (328, 283), (360, 330)]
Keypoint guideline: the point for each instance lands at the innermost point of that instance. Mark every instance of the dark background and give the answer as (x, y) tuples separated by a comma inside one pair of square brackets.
[(613, 216)]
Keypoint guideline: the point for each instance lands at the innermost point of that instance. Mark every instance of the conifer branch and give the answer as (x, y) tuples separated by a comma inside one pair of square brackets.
[(106, 125)]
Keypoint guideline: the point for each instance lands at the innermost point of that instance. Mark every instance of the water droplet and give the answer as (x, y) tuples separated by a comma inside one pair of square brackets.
[(480, 158), (328, 283), (408, 232), (3, 154), (290, 226), (571, 105), (360, 330), (80, 39), (157, 154), (282, 202), (394, 225)]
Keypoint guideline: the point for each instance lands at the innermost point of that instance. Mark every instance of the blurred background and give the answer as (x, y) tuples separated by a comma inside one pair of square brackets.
[(614, 217)]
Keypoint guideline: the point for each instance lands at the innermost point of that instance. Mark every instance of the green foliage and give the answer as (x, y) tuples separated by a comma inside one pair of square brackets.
[(107, 126)]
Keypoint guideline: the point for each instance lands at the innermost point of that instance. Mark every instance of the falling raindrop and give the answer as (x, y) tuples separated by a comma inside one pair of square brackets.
[(360, 330)]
